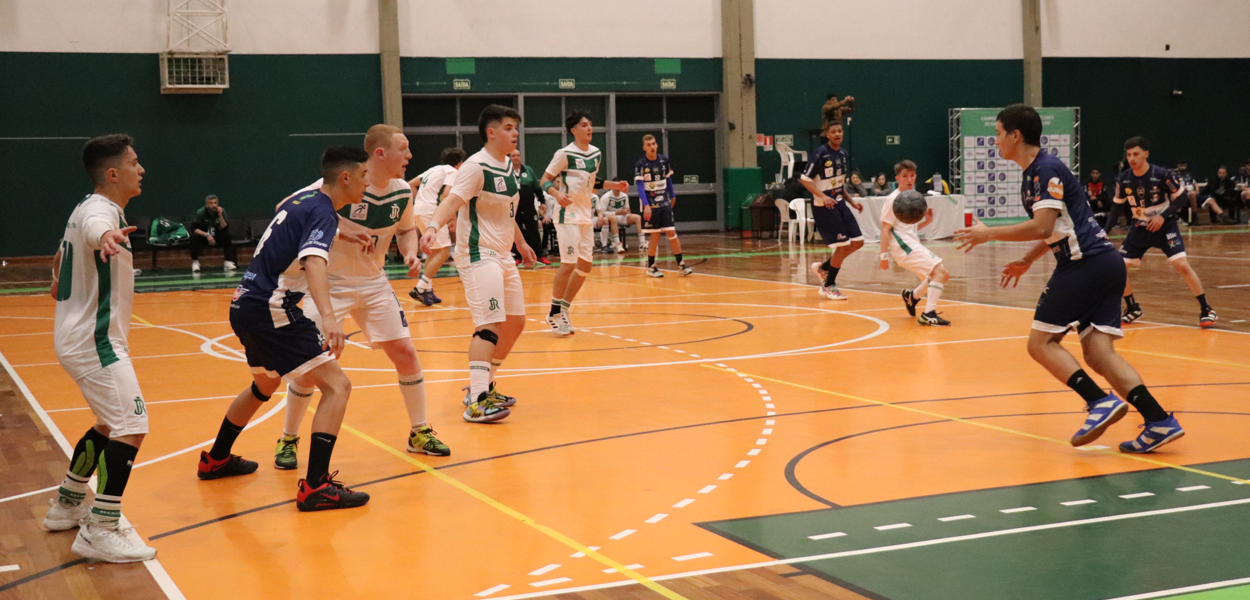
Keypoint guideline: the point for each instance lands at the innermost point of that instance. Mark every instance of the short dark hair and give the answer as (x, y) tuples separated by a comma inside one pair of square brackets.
[(1092, 169), (1137, 141), (824, 127), (1022, 118), (574, 118), (452, 156), (99, 153), (337, 159), (1182, 162), (904, 165), (492, 114), (210, 197)]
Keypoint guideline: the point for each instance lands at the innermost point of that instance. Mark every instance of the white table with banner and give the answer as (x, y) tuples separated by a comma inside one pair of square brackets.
[(948, 216)]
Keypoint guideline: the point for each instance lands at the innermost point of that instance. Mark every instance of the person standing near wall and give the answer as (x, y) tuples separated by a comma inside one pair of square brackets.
[(527, 208), (209, 228), (653, 174)]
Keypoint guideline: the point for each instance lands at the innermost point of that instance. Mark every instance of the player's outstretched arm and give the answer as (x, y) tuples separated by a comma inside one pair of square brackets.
[(112, 241), (884, 259), (315, 268), (443, 214), (1038, 228), (355, 233)]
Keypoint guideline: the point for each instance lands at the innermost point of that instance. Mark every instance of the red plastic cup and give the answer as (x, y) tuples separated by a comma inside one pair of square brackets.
[(967, 217)]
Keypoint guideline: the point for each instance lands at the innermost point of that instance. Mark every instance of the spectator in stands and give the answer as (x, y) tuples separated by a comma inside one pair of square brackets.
[(881, 187), (209, 228), (856, 188), (1241, 182), (1220, 195), (1189, 190), (1099, 193)]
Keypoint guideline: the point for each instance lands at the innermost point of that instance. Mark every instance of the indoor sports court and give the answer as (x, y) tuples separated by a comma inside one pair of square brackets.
[(737, 432)]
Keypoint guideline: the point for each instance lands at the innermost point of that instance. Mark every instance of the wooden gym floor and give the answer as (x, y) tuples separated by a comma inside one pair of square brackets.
[(725, 435)]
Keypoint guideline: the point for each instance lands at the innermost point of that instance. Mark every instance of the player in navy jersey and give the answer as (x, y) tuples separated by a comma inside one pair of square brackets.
[(279, 341), (1084, 291), (654, 175), (1153, 197), (825, 177)]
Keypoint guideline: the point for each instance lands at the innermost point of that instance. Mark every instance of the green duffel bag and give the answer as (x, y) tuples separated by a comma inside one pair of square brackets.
[(167, 233)]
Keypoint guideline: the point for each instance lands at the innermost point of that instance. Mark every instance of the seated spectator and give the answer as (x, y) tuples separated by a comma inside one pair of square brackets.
[(1189, 191), (856, 187), (1220, 196), (1100, 193), (1242, 183), (880, 187), (209, 228)]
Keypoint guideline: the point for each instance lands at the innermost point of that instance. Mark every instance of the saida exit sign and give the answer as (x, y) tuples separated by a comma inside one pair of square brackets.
[(892, 140)]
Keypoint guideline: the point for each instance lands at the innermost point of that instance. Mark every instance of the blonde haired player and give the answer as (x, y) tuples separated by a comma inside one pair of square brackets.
[(484, 200), (359, 287), (901, 240)]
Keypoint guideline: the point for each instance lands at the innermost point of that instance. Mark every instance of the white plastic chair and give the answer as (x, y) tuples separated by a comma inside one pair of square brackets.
[(787, 159), (783, 208), (799, 206)]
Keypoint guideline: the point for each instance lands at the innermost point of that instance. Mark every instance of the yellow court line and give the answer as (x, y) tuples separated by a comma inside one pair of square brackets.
[(1136, 457), (549, 532), (1161, 355)]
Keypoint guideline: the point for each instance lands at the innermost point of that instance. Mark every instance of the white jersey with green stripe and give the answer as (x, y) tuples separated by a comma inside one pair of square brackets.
[(574, 171), (905, 237), (612, 201), (433, 180), (383, 211), (486, 224), (94, 297)]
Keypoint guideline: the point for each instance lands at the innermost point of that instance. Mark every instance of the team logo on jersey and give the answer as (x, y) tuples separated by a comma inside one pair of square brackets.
[(316, 235), (238, 293), (139, 408), (500, 185), (581, 164), (1055, 187), (359, 212), (494, 305), (394, 211)]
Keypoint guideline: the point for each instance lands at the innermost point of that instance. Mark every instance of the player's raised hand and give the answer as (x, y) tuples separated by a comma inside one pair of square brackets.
[(112, 240), (1013, 271), (1154, 223), (335, 340), (528, 256), (972, 237), (414, 265)]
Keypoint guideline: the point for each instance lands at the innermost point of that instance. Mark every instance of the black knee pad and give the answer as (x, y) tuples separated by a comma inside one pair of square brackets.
[(256, 392), (487, 335)]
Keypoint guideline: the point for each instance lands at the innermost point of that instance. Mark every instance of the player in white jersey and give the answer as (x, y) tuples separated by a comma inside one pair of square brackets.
[(93, 282), (614, 208), (484, 200), (902, 242), (572, 177), (431, 187), (359, 287)]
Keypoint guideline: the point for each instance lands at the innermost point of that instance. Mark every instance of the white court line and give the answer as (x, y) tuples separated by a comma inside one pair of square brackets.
[(623, 534), (1193, 488), (686, 557), (1184, 590), (753, 452), (825, 536), (1240, 285), (725, 476), (550, 582), (684, 503), (1021, 509), (634, 567), (1078, 502), (1137, 495), (742, 463), (488, 591), (956, 518), (7, 568), (656, 519), (894, 526), (580, 554), (48, 364), (544, 570), (906, 546), (707, 489)]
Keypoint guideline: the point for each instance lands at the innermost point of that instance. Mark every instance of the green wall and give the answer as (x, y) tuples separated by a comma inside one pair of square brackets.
[(486, 75), (909, 98), (1208, 124)]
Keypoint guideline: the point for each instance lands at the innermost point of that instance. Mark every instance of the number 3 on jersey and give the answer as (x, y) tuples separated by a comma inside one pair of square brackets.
[(277, 220)]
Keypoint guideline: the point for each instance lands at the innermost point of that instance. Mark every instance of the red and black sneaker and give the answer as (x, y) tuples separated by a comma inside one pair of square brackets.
[(227, 467), (329, 495)]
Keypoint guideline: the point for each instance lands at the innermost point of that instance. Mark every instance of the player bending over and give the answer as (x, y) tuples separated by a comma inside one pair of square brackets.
[(904, 208)]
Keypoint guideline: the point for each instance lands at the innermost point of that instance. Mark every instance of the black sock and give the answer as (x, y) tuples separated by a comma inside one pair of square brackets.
[(679, 258), (319, 451), (1130, 301), (226, 436), (1084, 385), (831, 278), (87, 452), (825, 266), (555, 308), (1202, 300), (1146, 404), (114, 472), (650, 261)]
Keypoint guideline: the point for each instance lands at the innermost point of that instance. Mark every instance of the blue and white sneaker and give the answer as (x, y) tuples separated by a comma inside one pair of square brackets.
[(1102, 415), (427, 297), (1153, 435)]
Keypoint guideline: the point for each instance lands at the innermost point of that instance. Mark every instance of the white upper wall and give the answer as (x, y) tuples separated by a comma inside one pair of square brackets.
[(1110, 28), (557, 28), (888, 29)]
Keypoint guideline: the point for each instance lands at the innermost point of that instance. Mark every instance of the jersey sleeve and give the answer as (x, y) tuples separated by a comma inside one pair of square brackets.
[(468, 182), (99, 219), (558, 163), (1120, 196), (887, 212), (322, 227), (408, 218), (1051, 194), (811, 171), (1169, 179)]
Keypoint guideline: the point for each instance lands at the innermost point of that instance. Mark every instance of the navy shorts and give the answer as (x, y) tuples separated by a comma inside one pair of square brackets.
[(289, 351), (661, 219), (836, 226), (1167, 238), (1082, 294)]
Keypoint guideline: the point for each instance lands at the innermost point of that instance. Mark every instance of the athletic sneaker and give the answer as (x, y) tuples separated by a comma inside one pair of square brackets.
[(195, 266), (227, 467), (932, 319), (422, 439), (686, 270), (910, 302), (620, 249), (484, 410), (499, 399), (561, 324), (1153, 435), (63, 516), (284, 457), (819, 272), (1102, 415), (427, 297), (437, 300), (329, 495), (111, 544), (1208, 318), (554, 322), (654, 271), (229, 266), (1131, 313), (544, 260), (832, 293)]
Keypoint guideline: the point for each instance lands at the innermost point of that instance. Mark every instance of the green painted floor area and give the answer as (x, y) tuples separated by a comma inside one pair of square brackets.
[(1024, 542), (1241, 592)]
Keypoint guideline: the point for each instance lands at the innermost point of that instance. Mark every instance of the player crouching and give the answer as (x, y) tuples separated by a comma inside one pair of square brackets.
[(904, 214)]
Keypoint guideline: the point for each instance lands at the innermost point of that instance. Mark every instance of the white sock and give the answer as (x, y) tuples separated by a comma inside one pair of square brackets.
[(412, 388), (920, 290), (297, 401), (424, 284), (935, 292), (479, 378), (73, 488), (494, 368)]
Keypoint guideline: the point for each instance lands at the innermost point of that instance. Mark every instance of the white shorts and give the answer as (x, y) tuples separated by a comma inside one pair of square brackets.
[(372, 304), (622, 220), (442, 239), (576, 242), (492, 287), (919, 261), (114, 397)]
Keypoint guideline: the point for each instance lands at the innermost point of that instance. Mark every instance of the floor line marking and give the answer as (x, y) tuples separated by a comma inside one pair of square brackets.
[(894, 526), (956, 518), (686, 557), (725, 476), (580, 554), (497, 505), (1193, 488), (753, 452), (1021, 509), (1078, 502), (7, 568), (488, 591), (623, 534), (929, 413), (634, 567), (552, 582), (1193, 588), (684, 503), (544, 570), (825, 536), (707, 489), (1137, 495), (742, 463), (657, 518)]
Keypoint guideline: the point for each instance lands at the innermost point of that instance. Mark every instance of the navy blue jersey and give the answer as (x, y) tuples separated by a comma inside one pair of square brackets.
[(829, 169), (305, 226), (1048, 183), (1148, 195), (653, 180)]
